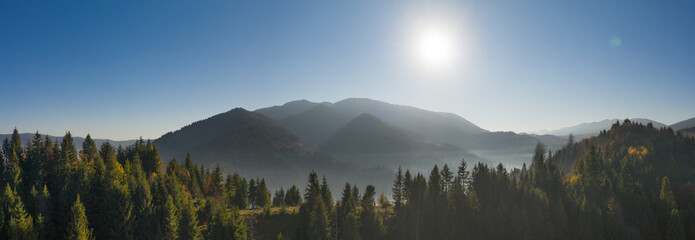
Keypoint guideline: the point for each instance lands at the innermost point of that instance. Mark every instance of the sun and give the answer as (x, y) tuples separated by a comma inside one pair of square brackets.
[(435, 47)]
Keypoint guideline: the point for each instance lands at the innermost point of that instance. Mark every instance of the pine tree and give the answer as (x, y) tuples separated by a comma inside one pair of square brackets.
[(263, 196), (168, 218), (279, 198), (253, 193), (371, 225), (18, 224), (398, 189), (348, 218), (293, 196), (666, 194), (188, 222), (14, 157), (225, 225), (241, 194), (78, 227), (216, 188), (326, 194)]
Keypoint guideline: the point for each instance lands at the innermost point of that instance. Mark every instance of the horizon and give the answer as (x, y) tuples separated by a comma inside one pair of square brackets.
[(128, 70), (535, 132)]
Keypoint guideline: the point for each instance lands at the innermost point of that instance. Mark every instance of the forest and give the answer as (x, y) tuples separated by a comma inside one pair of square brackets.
[(630, 182)]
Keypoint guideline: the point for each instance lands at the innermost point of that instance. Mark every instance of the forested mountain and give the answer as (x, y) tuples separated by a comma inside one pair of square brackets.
[(593, 128), (287, 109), (317, 124), (321, 121), (239, 139), (689, 123), (256, 145)]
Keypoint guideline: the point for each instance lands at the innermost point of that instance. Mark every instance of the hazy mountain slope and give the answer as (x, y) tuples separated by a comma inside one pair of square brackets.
[(287, 109), (258, 146), (440, 127), (369, 141), (369, 134), (593, 128), (78, 141), (689, 123), (688, 131), (315, 125), (234, 133)]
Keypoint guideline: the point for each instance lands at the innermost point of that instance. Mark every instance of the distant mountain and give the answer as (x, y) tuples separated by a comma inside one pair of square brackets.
[(683, 124), (287, 109), (369, 134), (253, 144), (238, 138), (369, 141), (440, 127), (593, 128), (78, 141), (317, 124), (436, 126)]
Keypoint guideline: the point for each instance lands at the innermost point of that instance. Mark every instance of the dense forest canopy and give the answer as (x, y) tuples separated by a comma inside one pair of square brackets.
[(630, 182)]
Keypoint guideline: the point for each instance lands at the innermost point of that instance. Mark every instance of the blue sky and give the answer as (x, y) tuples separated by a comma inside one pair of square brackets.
[(124, 69)]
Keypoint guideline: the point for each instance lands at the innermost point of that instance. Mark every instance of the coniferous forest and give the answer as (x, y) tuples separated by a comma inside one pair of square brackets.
[(630, 182)]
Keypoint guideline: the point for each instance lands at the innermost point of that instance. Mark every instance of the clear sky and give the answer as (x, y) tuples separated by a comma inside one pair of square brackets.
[(124, 69)]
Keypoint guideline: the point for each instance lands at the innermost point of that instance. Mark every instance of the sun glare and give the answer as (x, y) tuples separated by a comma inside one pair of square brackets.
[(435, 47)]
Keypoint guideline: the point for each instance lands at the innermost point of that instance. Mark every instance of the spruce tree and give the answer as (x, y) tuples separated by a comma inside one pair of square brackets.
[(398, 189), (188, 222), (18, 224), (263, 196), (78, 227)]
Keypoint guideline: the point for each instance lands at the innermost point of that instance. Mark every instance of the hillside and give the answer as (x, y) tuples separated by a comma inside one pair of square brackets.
[(368, 140), (239, 140), (315, 125), (593, 128), (689, 123), (664, 149), (287, 109)]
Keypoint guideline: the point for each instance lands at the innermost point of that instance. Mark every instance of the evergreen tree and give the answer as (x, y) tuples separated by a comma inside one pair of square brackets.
[(326, 194), (263, 195), (17, 223), (371, 225), (666, 194), (241, 194), (398, 189), (188, 222), (225, 225), (14, 156), (279, 198), (348, 217), (78, 228), (253, 193), (293, 196), (168, 218)]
